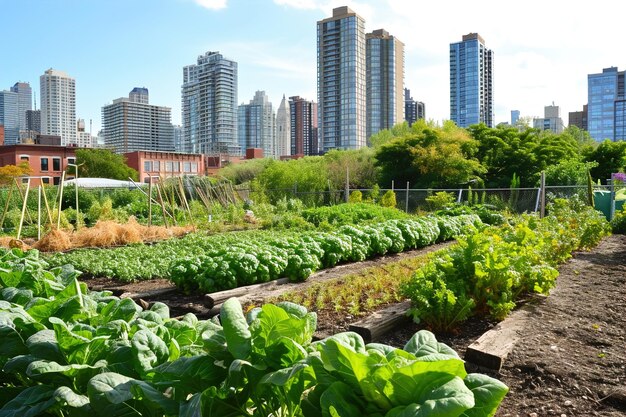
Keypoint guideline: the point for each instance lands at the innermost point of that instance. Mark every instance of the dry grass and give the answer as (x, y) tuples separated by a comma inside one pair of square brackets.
[(105, 233)]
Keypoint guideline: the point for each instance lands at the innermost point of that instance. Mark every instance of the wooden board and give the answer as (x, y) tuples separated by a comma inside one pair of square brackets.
[(216, 298), (492, 348), (383, 321)]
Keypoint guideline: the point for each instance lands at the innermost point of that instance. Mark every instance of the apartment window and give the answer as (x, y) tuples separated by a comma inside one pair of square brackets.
[(156, 166), (24, 158), (56, 180), (44, 164), (56, 164), (147, 166), (168, 166), (187, 166), (71, 161), (194, 167), (45, 180)]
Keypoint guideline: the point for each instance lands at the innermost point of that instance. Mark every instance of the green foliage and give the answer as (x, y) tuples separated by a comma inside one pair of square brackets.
[(353, 213), (69, 351), (610, 158), (102, 163), (486, 271), (618, 224), (244, 172), (389, 199), (429, 157), (356, 196), (439, 200), (569, 172)]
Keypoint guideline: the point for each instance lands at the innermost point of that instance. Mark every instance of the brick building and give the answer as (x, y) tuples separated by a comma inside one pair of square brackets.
[(45, 161), (165, 164)]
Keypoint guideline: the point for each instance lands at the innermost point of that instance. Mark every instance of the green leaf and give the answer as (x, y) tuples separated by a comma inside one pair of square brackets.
[(236, 331), (189, 374), (340, 400), (488, 394), (31, 402), (148, 350), (43, 345), (449, 399), (424, 343)]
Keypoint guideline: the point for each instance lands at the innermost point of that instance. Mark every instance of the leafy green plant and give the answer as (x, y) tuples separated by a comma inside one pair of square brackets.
[(439, 200), (388, 199), (356, 196)]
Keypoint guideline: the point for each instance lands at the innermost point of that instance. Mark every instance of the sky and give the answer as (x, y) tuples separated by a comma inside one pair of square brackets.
[(543, 49)]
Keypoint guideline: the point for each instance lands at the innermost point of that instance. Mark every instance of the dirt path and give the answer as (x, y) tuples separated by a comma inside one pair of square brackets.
[(572, 360)]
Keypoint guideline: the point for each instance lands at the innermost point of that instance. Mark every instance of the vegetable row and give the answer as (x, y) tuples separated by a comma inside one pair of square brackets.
[(487, 271), (210, 263), (67, 351)]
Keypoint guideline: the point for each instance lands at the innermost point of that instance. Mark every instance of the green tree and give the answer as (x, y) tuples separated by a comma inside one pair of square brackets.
[(610, 156), (430, 157), (358, 164), (570, 172), (102, 163)]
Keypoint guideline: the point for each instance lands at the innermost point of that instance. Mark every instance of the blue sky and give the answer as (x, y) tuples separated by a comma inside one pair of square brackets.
[(543, 49)]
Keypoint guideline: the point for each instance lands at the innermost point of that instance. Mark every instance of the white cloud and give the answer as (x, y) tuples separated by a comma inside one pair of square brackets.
[(212, 4)]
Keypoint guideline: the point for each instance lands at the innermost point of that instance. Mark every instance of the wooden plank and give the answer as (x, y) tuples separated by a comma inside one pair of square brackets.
[(492, 348), (383, 321), (213, 299), (149, 294)]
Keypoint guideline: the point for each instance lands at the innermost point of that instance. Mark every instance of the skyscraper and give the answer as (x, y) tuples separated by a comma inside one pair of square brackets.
[(551, 120), (283, 129), (58, 105), (33, 120), (256, 125), (9, 116), (471, 82), (130, 126), (209, 105), (341, 80), (579, 118), (385, 81), (304, 131), (413, 110), (514, 117), (606, 105), (24, 102)]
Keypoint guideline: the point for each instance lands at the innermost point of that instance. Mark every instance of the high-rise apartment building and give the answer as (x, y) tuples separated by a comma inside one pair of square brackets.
[(341, 80), (471, 82), (304, 132), (9, 116), (256, 125), (84, 139), (551, 120), (24, 102), (58, 105), (385, 81), (606, 107), (209, 106), (33, 120), (178, 139), (413, 110), (514, 117), (579, 118), (130, 126), (283, 129)]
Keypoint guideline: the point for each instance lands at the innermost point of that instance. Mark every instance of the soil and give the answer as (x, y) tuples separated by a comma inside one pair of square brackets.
[(571, 360)]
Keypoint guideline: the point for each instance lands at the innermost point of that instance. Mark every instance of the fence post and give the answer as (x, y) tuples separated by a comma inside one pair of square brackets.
[(537, 199), (295, 189), (346, 197), (458, 200), (542, 214), (406, 203), (612, 200)]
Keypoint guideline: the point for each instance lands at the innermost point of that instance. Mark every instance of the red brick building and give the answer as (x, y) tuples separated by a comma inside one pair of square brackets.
[(165, 164), (1, 135), (45, 161)]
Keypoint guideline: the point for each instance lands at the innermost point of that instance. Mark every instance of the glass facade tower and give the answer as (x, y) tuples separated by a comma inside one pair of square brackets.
[(24, 102), (341, 80), (209, 106), (9, 116), (471, 82), (605, 116), (256, 125), (385, 81)]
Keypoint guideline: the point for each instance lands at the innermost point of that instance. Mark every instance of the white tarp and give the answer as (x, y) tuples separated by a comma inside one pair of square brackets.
[(101, 183)]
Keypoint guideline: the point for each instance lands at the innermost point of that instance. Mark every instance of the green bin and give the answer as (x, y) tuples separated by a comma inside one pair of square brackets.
[(602, 201)]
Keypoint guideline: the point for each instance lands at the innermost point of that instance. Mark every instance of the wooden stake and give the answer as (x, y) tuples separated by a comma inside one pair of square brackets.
[(165, 213), (19, 229), (39, 213), (60, 199), (6, 206), (45, 200)]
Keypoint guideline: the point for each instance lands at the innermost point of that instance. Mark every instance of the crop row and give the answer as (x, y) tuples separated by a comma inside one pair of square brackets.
[(71, 352), (211, 263), (488, 270)]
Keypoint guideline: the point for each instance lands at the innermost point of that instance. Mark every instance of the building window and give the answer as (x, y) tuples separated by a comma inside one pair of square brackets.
[(56, 180), (44, 164), (187, 166), (168, 166), (156, 166), (71, 161), (45, 180), (24, 158), (56, 164), (147, 166), (176, 166), (194, 167)]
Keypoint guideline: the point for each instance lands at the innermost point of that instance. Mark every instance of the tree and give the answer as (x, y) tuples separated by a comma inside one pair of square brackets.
[(430, 157), (358, 164), (610, 156), (102, 163), (9, 172)]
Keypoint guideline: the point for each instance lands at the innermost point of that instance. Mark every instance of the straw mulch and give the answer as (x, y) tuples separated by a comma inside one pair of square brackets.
[(106, 234)]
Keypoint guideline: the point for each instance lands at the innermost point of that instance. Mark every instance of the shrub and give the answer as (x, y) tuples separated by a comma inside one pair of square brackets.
[(439, 200), (355, 197), (389, 199), (618, 224)]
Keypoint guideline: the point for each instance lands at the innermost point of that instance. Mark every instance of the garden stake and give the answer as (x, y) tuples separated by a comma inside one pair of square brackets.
[(19, 229), (60, 198), (39, 213), (45, 200), (19, 188), (165, 213), (6, 206)]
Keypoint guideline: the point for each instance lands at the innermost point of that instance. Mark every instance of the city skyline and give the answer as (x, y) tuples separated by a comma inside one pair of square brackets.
[(541, 57)]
